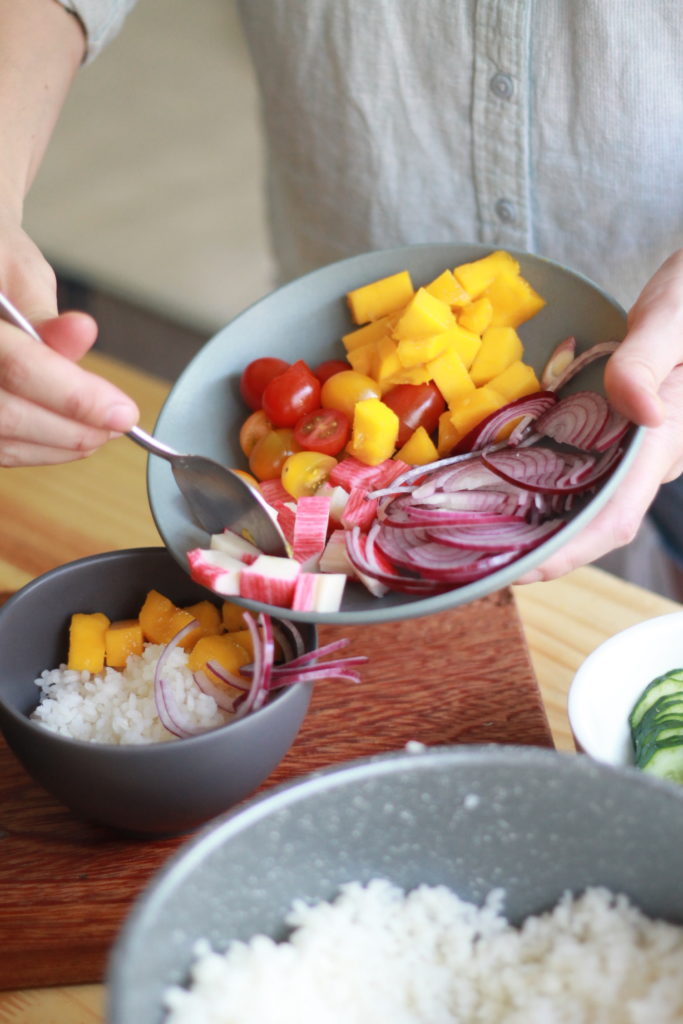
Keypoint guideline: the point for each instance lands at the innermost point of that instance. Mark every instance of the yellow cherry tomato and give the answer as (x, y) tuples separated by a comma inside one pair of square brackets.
[(270, 451), (253, 429), (344, 389), (304, 472), (247, 477)]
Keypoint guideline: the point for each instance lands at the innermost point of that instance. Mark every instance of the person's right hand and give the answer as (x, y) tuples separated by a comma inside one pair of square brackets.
[(51, 410)]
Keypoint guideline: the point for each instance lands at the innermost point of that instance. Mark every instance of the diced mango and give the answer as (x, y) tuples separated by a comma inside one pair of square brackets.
[(417, 351), (363, 335), (121, 639), (447, 288), (475, 277), (209, 618), (465, 343), (161, 619), (477, 315), (447, 436), (406, 375), (374, 432), (360, 358), (225, 652), (419, 449), (473, 409), (424, 316), (517, 380), (385, 360), (500, 346), (375, 300), (450, 375), (86, 641), (513, 300), (244, 639), (232, 616)]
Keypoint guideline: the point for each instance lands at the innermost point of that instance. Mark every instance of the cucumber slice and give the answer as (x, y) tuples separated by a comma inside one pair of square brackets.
[(659, 712), (666, 761), (666, 734), (654, 730), (669, 684)]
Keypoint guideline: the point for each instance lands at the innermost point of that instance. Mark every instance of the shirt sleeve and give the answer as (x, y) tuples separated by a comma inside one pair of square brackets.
[(101, 20)]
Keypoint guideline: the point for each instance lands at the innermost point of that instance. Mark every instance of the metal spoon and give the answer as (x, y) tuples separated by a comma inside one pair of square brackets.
[(219, 499)]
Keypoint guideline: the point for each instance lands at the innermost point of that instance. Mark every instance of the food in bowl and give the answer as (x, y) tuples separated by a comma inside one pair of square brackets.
[(436, 457), (377, 953), (174, 672), (656, 724)]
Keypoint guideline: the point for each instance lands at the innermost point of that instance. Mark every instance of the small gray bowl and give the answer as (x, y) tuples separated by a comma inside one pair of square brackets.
[(153, 789), (306, 319), (534, 822)]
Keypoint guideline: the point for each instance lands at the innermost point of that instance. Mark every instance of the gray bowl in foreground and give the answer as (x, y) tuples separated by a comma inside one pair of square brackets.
[(158, 788), (534, 822), (305, 320)]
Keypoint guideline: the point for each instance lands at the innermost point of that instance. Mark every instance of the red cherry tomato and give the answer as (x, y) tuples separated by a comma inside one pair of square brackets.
[(416, 405), (256, 375), (329, 368), (287, 397), (323, 430)]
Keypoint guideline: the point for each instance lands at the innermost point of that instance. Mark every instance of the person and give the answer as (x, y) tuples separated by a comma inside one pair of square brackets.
[(553, 128)]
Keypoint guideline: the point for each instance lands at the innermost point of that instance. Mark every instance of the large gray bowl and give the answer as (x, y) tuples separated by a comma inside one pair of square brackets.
[(159, 788), (535, 822), (305, 320)]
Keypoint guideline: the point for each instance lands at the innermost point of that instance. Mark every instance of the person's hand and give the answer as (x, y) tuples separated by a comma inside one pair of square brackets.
[(644, 381), (51, 410)]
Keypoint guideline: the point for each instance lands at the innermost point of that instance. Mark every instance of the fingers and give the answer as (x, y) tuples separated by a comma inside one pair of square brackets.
[(652, 347), (30, 434), (40, 375), (71, 334)]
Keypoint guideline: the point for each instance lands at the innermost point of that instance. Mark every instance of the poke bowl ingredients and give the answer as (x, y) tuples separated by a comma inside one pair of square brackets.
[(656, 725), (174, 672), (377, 953)]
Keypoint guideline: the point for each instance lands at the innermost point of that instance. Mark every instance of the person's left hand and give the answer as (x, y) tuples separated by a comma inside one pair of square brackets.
[(644, 381)]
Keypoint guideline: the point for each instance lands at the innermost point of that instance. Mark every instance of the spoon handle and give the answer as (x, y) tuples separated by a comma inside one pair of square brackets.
[(9, 312)]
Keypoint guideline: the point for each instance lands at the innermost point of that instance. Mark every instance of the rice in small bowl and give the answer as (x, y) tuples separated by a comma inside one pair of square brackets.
[(115, 764)]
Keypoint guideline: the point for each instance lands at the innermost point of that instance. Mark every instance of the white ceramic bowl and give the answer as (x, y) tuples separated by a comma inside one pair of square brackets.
[(610, 680)]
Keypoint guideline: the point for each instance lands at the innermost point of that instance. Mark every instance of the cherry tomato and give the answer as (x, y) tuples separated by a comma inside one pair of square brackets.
[(247, 477), (329, 368), (304, 472), (323, 430), (269, 453), (252, 430), (416, 405), (287, 397), (343, 390), (256, 375)]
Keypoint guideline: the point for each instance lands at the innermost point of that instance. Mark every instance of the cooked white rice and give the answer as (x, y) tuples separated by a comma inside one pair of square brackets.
[(117, 706), (378, 956)]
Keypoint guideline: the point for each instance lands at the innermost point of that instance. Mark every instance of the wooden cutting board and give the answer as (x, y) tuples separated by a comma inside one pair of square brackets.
[(462, 676)]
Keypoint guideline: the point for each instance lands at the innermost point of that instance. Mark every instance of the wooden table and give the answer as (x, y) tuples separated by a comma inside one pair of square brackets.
[(53, 514)]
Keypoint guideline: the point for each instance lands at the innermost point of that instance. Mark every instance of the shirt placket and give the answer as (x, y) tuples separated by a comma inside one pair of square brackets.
[(500, 128)]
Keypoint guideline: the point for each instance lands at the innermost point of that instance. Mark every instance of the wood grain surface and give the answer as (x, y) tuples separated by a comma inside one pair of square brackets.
[(460, 676)]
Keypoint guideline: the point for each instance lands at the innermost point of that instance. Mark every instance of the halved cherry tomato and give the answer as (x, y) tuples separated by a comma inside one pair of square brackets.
[(269, 453), (304, 472), (323, 430), (287, 397), (343, 390), (329, 368), (256, 375), (253, 429), (416, 405)]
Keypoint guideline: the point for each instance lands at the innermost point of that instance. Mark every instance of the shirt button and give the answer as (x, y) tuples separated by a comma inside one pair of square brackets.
[(502, 86), (506, 211)]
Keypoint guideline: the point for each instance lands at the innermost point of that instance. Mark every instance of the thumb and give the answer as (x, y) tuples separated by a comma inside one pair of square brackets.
[(653, 346), (71, 334)]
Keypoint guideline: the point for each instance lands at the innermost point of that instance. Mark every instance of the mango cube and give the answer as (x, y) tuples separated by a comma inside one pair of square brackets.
[(232, 616), (419, 449), (121, 639), (209, 618), (447, 288), (424, 316), (86, 641), (516, 381), (375, 300), (500, 346), (465, 343), (473, 409), (360, 358), (417, 351), (385, 360), (446, 435), (450, 375), (406, 375), (513, 300), (475, 277), (160, 619), (363, 335), (477, 315), (374, 433)]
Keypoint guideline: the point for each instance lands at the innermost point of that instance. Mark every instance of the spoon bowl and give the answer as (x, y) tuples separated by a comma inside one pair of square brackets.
[(218, 498)]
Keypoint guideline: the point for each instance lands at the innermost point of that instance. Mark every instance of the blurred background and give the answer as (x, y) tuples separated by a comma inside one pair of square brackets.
[(149, 203)]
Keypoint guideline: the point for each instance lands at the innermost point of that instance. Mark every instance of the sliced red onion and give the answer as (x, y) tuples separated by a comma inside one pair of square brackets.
[(577, 420), (221, 697), (486, 432), (288, 635), (171, 715), (559, 359), (584, 359), (612, 432), (503, 537), (229, 678)]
